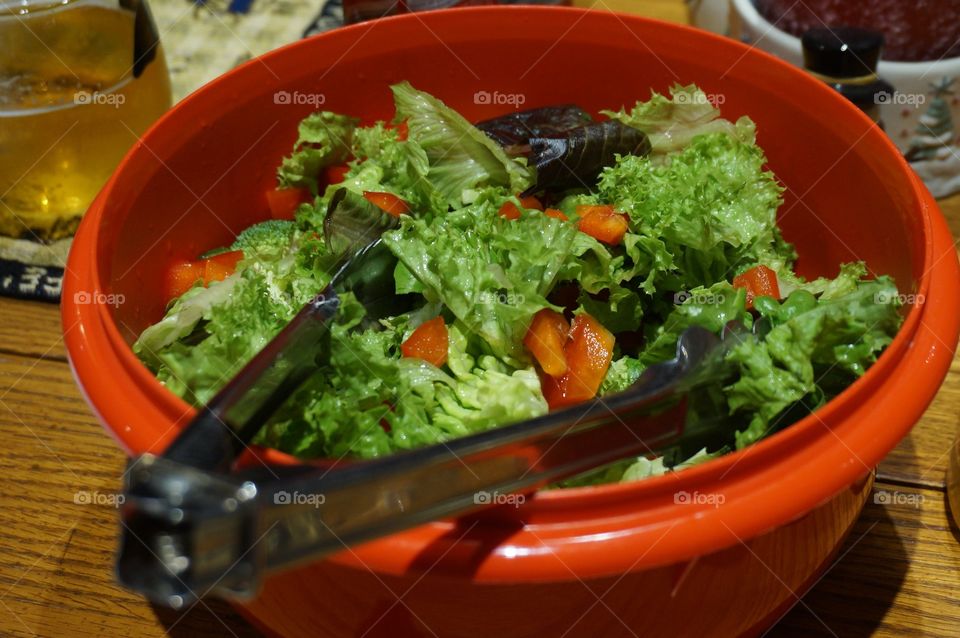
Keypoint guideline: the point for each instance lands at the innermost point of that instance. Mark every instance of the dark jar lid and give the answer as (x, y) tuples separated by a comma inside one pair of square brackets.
[(842, 52)]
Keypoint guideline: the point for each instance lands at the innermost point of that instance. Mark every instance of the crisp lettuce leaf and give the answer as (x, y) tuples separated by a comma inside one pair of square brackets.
[(843, 334), (492, 273), (323, 139), (192, 307), (485, 392), (461, 157), (671, 123), (824, 287), (645, 468), (370, 401), (210, 333), (711, 308), (386, 164), (712, 205), (622, 374), (400, 166)]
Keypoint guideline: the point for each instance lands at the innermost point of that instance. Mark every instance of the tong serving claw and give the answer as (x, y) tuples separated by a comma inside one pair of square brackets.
[(196, 530), (193, 526)]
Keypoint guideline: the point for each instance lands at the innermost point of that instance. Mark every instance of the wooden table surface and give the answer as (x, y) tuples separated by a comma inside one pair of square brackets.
[(898, 575)]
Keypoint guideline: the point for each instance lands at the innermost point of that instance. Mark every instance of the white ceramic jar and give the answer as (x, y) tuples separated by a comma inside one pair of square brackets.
[(922, 116)]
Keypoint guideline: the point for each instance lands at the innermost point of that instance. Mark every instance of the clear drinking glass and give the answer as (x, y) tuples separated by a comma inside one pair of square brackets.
[(80, 80)]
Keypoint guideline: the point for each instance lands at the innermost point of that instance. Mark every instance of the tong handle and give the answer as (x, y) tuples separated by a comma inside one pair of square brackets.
[(190, 532)]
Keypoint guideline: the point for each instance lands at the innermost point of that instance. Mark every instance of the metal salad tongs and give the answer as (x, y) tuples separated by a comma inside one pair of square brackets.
[(192, 527)]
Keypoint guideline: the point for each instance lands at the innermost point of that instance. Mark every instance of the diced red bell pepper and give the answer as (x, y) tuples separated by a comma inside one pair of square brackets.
[(546, 339), (531, 203), (509, 211), (556, 213), (219, 267), (283, 202), (430, 342), (588, 352), (180, 278), (759, 281), (603, 223), (388, 203), (335, 174)]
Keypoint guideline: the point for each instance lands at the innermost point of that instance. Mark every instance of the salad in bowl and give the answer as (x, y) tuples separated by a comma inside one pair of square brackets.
[(543, 259)]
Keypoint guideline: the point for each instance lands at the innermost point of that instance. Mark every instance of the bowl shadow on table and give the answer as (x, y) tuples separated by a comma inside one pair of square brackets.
[(214, 617), (210, 617), (952, 518), (859, 586), (899, 464)]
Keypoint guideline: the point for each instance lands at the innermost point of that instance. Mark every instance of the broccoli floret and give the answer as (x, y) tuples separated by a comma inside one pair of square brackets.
[(269, 237)]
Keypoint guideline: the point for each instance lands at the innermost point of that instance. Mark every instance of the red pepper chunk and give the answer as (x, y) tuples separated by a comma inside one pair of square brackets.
[(430, 342), (759, 281), (588, 352), (388, 203), (219, 267), (335, 174), (556, 213), (603, 223), (545, 340), (180, 278), (531, 203), (509, 211), (284, 202)]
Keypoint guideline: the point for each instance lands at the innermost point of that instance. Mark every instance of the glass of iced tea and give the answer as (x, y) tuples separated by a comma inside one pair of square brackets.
[(79, 81)]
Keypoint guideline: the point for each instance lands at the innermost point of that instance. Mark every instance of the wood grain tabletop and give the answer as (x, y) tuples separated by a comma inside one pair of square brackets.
[(897, 575)]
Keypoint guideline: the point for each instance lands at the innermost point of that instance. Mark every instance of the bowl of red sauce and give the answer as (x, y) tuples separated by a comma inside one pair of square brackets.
[(920, 59)]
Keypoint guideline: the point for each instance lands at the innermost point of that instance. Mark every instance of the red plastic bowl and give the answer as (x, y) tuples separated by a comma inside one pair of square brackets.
[(657, 557)]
